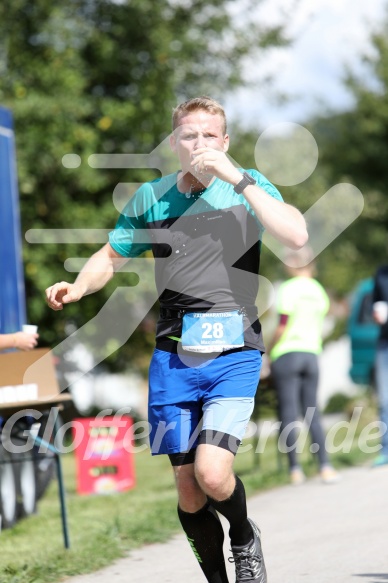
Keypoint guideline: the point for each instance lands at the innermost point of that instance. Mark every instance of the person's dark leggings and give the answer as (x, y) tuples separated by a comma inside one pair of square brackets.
[(295, 377)]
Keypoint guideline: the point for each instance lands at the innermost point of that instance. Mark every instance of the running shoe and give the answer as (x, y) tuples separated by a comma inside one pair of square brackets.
[(329, 475), (297, 477), (249, 560)]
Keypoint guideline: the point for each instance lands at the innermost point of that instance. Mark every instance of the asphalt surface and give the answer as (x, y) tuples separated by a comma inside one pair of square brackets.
[(313, 533)]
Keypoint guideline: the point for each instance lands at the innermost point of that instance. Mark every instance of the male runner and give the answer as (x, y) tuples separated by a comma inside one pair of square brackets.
[(204, 225)]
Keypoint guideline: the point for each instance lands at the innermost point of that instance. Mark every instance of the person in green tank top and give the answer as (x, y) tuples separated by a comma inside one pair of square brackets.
[(302, 305)]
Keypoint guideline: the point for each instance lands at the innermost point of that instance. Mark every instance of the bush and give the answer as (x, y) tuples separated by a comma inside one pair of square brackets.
[(338, 403)]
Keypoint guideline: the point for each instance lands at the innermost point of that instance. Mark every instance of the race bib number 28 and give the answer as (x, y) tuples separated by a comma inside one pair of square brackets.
[(212, 331)]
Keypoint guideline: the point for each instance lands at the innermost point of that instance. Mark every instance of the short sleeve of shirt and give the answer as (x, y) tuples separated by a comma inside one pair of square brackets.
[(130, 237), (269, 188), (265, 184)]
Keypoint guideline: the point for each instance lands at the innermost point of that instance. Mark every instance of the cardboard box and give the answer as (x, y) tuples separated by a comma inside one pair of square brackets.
[(28, 379)]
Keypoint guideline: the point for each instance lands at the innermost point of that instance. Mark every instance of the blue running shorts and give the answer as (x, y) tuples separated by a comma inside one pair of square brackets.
[(194, 393)]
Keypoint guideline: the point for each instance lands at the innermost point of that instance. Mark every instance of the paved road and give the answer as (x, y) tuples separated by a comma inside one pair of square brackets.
[(313, 533)]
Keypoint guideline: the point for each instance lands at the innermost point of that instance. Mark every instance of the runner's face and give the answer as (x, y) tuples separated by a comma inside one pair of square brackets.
[(198, 129)]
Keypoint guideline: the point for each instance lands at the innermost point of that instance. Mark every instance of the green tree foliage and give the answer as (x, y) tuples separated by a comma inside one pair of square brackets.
[(97, 76), (354, 148)]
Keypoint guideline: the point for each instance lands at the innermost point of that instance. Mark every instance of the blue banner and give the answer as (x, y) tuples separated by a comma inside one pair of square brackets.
[(12, 293)]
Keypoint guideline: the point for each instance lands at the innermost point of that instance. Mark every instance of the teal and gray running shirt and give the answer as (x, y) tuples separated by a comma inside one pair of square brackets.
[(206, 248)]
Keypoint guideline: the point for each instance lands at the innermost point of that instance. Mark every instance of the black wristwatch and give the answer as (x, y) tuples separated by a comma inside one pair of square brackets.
[(246, 180)]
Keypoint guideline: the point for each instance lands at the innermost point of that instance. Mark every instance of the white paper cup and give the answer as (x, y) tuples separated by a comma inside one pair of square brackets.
[(381, 311), (30, 329)]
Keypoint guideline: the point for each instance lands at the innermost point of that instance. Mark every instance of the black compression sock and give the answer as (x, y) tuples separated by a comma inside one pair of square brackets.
[(235, 511), (206, 536)]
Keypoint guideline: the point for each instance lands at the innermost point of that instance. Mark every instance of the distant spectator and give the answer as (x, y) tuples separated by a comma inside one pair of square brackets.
[(19, 340), (302, 305), (380, 314)]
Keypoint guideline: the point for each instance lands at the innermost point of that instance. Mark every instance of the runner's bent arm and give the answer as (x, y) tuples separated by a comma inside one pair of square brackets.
[(280, 219), (98, 270)]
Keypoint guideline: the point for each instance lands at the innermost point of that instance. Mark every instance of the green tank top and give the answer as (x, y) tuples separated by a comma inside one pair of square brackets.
[(306, 303)]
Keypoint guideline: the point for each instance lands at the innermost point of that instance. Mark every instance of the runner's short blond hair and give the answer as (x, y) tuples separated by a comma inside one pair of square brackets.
[(198, 103)]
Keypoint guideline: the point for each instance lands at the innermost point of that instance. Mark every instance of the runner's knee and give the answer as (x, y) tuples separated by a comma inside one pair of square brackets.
[(190, 494), (214, 480)]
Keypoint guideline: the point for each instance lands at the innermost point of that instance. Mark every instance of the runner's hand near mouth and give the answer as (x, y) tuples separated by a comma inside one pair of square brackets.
[(216, 163)]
